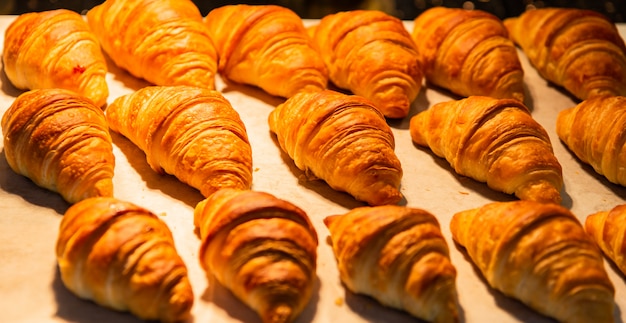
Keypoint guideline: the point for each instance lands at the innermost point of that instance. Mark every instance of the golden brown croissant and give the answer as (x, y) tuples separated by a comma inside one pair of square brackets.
[(123, 257), (371, 54), (164, 42), (343, 140), (55, 49), (61, 141), (494, 141), (261, 248), (593, 131), (190, 132), (580, 50), (266, 46), (540, 254), (398, 256), (606, 228), (468, 52)]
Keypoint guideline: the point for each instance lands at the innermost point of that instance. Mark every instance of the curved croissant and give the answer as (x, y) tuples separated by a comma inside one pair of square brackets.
[(192, 133), (580, 50), (371, 54), (606, 228), (123, 257), (593, 131), (342, 139), (540, 254), (261, 248), (163, 42), (398, 256), (494, 141), (55, 49), (468, 52), (61, 141), (266, 46)]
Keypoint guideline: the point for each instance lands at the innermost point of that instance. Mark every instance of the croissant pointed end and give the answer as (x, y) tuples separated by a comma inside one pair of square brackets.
[(329, 220), (543, 192), (279, 314)]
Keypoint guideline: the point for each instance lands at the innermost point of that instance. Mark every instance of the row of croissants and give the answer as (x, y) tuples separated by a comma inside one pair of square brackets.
[(264, 249)]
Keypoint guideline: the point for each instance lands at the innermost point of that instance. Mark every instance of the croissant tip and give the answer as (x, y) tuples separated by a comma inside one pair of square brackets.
[(279, 314)]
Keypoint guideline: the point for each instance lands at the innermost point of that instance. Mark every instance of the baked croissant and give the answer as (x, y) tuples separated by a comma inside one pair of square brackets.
[(122, 256), (580, 50), (343, 140), (371, 54), (266, 46), (398, 256), (55, 49), (468, 52), (606, 228), (593, 131), (60, 140), (164, 42), (190, 132), (261, 248), (495, 141), (539, 254)]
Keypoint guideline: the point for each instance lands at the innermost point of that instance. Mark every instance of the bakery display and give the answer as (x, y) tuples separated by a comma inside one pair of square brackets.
[(164, 42), (30, 216), (593, 131), (579, 50), (266, 46), (262, 248), (468, 52), (60, 140), (190, 132), (398, 256), (371, 54), (495, 141), (122, 256), (606, 228), (55, 49), (540, 254), (343, 140)]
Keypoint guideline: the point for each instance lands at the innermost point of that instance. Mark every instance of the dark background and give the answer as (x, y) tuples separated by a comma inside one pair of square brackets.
[(404, 9)]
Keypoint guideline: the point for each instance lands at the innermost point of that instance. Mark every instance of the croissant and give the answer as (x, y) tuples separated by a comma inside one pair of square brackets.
[(606, 228), (371, 54), (468, 52), (579, 50), (343, 140), (266, 46), (540, 254), (398, 256), (163, 42), (60, 140), (260, 247), (593, 131), (55, 49), (494, 141), (122, 257), (190, 132)]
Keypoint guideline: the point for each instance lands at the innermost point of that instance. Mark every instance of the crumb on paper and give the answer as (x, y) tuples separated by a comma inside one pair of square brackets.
[(162, 214), (463, 193), (256, 169), (339, 301)]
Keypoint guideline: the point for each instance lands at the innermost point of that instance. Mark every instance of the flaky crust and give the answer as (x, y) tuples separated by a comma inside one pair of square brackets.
[(55, 49), (398, 256), (163, 42), (260, 247), (580, 50), (540, 254), (468, 52), (123, 257), (343, 140), (495, 141), (371, 54), (606, 228), (192, 133), (266, 46), (61, 141), (595, 131)]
